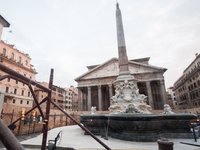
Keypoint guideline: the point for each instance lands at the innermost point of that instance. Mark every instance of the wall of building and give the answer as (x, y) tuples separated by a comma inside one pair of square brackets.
[(16, 93)]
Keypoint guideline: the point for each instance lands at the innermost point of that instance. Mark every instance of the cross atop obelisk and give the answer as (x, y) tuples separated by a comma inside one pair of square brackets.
[(122, 55)]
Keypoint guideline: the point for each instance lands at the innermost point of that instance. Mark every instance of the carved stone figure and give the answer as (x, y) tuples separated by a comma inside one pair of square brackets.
[(127, 99), (167, 109), (93, 110)]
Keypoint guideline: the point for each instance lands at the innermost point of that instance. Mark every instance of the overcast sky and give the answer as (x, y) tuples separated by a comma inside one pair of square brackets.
[(69, 35)]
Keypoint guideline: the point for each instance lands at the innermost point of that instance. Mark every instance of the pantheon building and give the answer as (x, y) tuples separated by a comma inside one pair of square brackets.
[(95, 87)]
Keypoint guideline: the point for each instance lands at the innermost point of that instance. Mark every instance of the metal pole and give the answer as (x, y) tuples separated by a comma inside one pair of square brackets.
[(34, 123), (104, 145), (54, 119), (195, 139), (8, 139), (29, 124), (12, 116), (19, 126), (45, 126)]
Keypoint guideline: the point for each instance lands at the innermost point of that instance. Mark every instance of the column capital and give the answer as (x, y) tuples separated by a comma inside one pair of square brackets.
[(89, 87), (148, 83), (110, 85), (162, 81), (99, 86)]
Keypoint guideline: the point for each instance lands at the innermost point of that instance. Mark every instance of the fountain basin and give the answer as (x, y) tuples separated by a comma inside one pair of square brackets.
[(140, 127)]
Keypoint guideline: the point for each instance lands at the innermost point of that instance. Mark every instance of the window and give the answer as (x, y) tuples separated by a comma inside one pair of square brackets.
[(197, 76), (42, 96), (26, 62), (4, 52), (27, 102), (195, 85), (5, 100), (7, 89), (28, 94), (23, 84), (13, 101), (20, 59), (24, 74), (22, 92), (15, 91), (8, 79), (21, 101), (12, 56), (16, 82)]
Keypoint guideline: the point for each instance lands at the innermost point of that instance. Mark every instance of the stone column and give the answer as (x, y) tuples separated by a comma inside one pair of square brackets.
[(79, 100), (99, 97), (89, 98), (150, 97), (110, 90), (163, 92)]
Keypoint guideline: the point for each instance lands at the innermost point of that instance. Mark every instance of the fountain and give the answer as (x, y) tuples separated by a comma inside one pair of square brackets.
[(130, 116)]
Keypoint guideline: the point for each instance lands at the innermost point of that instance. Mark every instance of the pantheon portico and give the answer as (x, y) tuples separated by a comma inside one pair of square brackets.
[(95, 87)]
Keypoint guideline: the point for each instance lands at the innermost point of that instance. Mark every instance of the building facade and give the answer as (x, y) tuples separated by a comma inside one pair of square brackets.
[(3, 24), (187, 87), (96, 85), (64, 97), (16, 94), (58, 95), (172, 94), (74, 98), (68, 98)]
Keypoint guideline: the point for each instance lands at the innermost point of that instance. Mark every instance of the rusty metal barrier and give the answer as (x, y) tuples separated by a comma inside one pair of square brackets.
[(9, 140)]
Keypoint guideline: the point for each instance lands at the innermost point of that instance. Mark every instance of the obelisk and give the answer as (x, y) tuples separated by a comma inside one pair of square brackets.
[(127, 98), (124, 72)]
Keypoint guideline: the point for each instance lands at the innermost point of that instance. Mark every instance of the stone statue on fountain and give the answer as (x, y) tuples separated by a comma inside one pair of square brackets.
[(127, 99)]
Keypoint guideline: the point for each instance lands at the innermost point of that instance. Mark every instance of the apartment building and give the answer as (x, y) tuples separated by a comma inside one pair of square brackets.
[(74, 98), (3, 24), (58, 95), (187, 87), (68, 98), (17, 94)]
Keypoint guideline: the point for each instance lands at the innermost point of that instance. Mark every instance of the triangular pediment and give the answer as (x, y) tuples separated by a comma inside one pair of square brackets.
[(140, 68), (108, 69), (111, 69)]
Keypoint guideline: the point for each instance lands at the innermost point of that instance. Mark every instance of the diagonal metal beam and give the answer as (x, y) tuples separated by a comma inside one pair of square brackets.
[(36, 101), (91, 134), (31, 89), (20, 76), (8, 139)]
